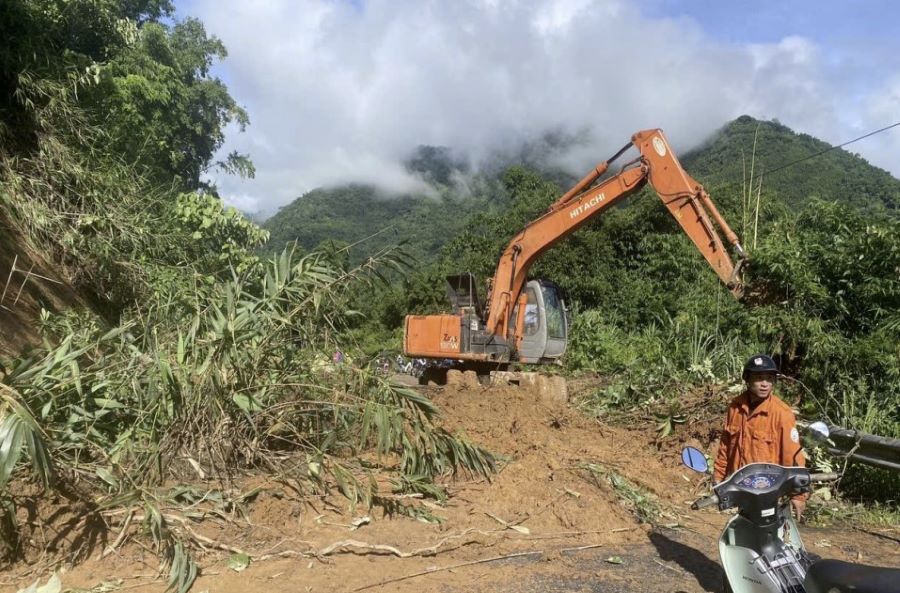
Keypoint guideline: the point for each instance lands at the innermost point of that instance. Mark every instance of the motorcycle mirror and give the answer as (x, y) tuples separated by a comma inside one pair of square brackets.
[(819, 431), (694, 459)]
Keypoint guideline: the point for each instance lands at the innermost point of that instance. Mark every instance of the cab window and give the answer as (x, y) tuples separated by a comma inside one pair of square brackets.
[(532, 322), (556, 324)]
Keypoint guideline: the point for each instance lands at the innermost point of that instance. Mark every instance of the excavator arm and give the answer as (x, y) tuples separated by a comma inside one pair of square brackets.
[(497, 335), (683, 196)]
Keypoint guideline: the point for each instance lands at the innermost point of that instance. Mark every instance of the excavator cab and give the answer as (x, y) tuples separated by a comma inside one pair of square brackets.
[(545, 323)]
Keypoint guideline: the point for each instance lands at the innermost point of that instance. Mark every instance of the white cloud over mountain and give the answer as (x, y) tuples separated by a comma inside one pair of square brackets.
[(342, 91)]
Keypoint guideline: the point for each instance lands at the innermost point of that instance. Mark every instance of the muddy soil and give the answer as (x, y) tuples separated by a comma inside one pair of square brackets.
[(545, 522), (28, 283)]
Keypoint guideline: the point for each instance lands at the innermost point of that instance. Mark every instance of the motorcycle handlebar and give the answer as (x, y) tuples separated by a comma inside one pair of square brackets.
[(706, 501), (713, 499)]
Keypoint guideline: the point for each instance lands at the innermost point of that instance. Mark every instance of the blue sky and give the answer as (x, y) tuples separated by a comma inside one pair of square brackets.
[(861, 38), (342, 90), (847, 23)]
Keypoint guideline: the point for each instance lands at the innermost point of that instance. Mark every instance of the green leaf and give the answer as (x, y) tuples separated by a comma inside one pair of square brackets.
[(238, 562), (246, 403), (108, 404), (107, 476), (11, 439)]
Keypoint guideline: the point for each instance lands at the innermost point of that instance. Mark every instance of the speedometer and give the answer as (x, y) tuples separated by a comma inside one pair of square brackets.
[(762, 481)]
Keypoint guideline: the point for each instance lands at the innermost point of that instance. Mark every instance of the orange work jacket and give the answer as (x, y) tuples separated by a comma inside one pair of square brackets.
[(768, 434)]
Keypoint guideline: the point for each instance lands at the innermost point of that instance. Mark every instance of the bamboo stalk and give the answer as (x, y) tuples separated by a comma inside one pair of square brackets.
[(9, 278)]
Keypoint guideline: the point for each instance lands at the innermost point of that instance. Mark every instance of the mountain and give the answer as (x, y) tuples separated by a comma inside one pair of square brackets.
[(355, 213), (796, 174), (370, 220)]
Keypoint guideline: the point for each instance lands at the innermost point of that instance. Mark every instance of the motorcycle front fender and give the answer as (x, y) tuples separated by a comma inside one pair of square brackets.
[(740, 564)]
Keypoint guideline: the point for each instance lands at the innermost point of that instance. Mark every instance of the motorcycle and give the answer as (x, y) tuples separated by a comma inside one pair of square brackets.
[(404, 365), (760, 548), (419, 366)]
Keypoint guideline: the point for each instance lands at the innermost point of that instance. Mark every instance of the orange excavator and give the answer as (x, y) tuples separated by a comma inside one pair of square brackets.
[(527, 320)]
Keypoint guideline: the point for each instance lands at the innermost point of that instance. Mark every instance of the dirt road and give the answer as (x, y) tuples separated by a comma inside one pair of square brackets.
[(561, 515)]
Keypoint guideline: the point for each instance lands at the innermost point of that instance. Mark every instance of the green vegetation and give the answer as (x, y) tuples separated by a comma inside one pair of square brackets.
[(362, 216), (371, 220), (824, 291), (208, 353), (206, 360), (724, 164), (645, 507)]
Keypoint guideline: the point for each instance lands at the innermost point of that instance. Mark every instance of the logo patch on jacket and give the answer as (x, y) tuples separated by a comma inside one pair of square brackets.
[(795, 436)]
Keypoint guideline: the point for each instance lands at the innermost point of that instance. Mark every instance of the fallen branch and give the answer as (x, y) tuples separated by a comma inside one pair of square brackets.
[(22, 286), (470, 563), (198, 538), (443, 568), (526, 516), (559, 534), (9, 278), (382, 548), (123, 533), (664, 565), (202, 539), (877, 534), (351, 545)]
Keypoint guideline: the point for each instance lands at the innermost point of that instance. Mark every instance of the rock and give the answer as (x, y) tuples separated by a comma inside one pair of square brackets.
[(462, 378), (545, 387)]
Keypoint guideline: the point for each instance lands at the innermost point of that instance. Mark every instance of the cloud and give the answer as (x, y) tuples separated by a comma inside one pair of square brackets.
[(883, 106), (342, 91)]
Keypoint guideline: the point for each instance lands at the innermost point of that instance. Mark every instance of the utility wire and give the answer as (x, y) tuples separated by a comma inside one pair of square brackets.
[(712, 191), (812, 156)]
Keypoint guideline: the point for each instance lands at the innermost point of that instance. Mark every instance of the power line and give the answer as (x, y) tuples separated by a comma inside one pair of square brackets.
[(821, 152), (814, 155)]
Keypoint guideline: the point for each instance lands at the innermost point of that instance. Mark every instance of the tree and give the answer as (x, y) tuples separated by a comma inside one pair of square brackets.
[(164, 110), (50, 49), (145, 84)]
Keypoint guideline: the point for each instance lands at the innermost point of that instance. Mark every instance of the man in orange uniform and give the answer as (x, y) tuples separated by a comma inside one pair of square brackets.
[(759, 428)]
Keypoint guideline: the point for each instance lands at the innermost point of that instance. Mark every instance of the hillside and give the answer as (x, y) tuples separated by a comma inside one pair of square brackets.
[(200, 391), (354, 212), (29, 284), (838, 175)]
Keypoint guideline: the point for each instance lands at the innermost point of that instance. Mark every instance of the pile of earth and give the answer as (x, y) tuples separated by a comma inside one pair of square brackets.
[(567, 511)]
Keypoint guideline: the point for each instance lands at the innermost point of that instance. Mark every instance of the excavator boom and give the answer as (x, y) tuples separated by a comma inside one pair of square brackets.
[(468, 335)]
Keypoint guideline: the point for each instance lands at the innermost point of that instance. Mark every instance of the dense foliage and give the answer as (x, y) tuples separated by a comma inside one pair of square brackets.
[(724, 164), (210, 358), (824, 282), (206, 360), (370, 220), (146, 84)]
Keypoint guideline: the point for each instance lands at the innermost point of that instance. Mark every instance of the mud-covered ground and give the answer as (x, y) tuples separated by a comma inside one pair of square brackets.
[(548, 521)]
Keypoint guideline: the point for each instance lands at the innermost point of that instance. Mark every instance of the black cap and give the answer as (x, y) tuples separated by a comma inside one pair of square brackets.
[(759, 363)]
